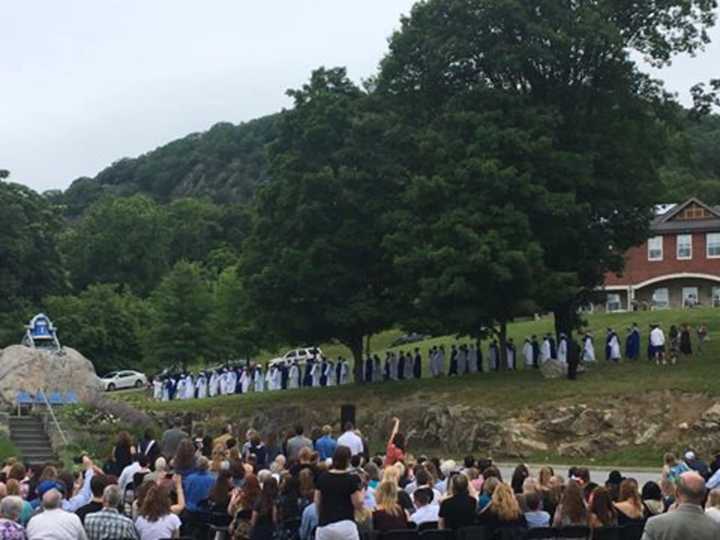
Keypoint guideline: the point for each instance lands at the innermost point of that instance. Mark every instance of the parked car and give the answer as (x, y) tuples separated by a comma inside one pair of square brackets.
[(115, 380), (409, 338), (299, 355)]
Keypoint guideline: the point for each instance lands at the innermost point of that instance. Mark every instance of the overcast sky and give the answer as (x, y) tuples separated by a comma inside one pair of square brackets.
[(86, 82)]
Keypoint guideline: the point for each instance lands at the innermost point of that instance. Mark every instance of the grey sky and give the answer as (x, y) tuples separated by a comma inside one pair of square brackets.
[(86, 82)]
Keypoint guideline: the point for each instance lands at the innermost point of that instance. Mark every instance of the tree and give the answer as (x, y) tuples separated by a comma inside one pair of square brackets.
[(31, 266), (236, 332), (463, 239), (119, 240), (103, 324), (180, 332), (569, 62), (195, 229), (314, 264)]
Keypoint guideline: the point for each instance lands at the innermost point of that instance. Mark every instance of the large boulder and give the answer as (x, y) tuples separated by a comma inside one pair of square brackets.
[(23, 368)]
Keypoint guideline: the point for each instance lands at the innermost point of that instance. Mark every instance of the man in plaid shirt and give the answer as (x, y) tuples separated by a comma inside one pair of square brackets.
[(109, 523)]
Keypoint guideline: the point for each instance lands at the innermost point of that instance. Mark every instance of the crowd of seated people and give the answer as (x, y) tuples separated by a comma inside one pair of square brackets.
[(326, 488)]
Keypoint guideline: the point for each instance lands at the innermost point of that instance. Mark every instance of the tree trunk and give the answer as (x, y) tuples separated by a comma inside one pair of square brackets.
[(565, 318), (502, 336), (355, 344)]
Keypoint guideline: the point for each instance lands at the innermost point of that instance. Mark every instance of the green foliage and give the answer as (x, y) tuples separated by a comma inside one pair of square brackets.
[(30, 263), (314, 264), (8, 449), (179, 332), (225, 164), (123, 241), (102, 323), (565, 68)]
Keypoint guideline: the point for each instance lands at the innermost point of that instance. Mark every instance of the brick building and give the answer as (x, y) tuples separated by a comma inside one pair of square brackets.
[(679, 265)]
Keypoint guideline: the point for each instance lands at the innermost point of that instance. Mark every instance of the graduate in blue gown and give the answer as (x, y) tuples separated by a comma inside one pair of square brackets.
[(453, 361), (417, 364), (369, 370), (608, 337), (632, 343), (536, 351), (307, 378)]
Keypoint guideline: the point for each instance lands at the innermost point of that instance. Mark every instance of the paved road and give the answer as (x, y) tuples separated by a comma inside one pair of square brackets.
[(597, 475)]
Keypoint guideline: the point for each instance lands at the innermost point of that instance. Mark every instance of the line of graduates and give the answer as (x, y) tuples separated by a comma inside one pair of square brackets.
[(315, 373)]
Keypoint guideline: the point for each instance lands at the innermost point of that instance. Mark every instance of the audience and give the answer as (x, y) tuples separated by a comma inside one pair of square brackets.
[(259, 494)]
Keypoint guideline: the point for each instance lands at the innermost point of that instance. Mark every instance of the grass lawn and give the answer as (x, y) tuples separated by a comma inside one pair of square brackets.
[(506, 391)]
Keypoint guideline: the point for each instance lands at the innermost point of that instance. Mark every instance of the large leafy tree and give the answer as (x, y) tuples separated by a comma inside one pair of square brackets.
[(119, 240), (103, 324), (194, 227), (30, 264), (314, 261), (571, 62), (180, 329)]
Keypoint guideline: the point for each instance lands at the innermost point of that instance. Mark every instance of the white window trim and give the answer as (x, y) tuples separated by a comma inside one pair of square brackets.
[(662, 249), (707, 246), (677, 247)]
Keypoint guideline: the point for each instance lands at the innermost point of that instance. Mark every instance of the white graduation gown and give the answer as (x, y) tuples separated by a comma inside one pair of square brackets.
[(293, 377), (231, 382), (472, 360), (157, 390), (269, 379), (394, 368), (258, 380), (493, 358), (615, 348), (545, 351), (330, 374), (528, 354), (344, 373), (316, 374), (510, 358), (588, 350), (189, 388), (562, 351), (276, 376), (213, 385), (246, 381), (201, 387), (180, 389)]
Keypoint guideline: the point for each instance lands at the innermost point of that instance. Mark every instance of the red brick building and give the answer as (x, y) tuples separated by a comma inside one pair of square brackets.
[(677, 266)]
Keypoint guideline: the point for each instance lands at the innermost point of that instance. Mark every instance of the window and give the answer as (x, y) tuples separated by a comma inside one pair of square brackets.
[(684, 246), (713, 245), (716, 296), (690, 296), (661, 298), (613, 303), (655, 248)]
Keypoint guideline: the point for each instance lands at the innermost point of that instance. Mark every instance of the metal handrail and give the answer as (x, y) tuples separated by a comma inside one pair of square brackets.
[(52, 414)]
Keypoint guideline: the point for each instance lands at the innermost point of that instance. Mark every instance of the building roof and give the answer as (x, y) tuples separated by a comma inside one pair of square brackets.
[(674, 220)]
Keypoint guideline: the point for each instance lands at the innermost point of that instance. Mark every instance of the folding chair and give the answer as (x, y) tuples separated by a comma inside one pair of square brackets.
[(607, 533), (538, 533), (56, 398), (582, 533), (23, 399), (437, 534), (402, 534), (474, 533), (71, 398)]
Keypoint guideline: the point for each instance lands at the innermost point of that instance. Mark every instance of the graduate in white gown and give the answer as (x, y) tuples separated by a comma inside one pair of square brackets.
[(276, 377), (588, 354), (527, 353), (330, 375), (493, 356), (615, 355), (545, 350), (213, 384), (510, 354), (201, 386), (408, 367), (294, 377), (377, 369), (258, 378), (344, 372), (472, 357), (157, 389), (562, 349), (246, 380), (316, 373), (269, 379), (180, 388), (393, 367), (166, 390)]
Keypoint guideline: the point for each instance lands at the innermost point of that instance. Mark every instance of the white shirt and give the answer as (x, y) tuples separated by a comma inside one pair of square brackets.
[(714, 514), (55, 525), (657, 337), (352, 441), (426, 514), (127, 474), (156, 530)]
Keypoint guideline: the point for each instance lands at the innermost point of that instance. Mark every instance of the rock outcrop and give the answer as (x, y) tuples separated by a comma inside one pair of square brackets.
[(23, 368)]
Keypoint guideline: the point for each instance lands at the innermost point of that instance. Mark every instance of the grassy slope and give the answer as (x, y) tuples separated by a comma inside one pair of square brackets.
[(517, 389)]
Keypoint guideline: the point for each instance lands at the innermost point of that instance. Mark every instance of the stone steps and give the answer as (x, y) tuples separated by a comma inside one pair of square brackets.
[(28, 434)]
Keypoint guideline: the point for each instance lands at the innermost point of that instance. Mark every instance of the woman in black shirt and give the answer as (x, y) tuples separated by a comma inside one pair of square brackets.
[(338, 494), (264, 516)]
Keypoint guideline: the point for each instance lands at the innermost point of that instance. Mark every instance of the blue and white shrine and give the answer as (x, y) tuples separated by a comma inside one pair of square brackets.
[(40, 333)]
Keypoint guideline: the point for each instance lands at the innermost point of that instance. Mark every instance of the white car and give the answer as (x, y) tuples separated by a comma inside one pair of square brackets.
[(299, 355), (115, 380)]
